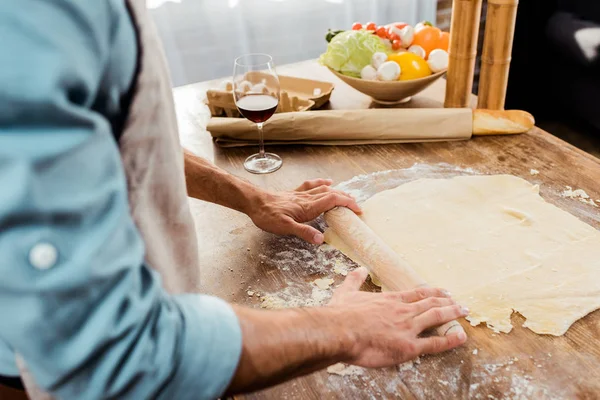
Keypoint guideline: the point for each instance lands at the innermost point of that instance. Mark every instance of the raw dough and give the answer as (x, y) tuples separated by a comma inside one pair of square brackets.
[(495, 244)]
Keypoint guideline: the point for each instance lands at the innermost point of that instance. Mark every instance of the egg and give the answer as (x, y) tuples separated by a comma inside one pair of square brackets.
[(395, 30), (407, 34), (388, 71), (368, 73), (438, 60), (378, 59), (418, 50)]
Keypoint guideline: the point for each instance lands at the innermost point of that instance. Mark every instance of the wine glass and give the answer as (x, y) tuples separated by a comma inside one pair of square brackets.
[(256, 94)]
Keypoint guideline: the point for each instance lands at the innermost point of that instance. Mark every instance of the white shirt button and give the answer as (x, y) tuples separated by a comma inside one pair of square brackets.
[(43, 256)]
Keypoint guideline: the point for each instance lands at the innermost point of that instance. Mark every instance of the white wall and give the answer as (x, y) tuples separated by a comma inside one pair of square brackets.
[(203, 37)]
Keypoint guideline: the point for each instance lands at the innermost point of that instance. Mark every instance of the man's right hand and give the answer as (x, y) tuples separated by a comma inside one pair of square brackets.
[(383, 328)]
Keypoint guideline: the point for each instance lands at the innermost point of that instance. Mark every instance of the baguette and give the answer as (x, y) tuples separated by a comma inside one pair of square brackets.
[(500, 122)]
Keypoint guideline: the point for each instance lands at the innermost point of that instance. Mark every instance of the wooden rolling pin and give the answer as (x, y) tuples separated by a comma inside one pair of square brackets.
[(345, 127), (381, 261)]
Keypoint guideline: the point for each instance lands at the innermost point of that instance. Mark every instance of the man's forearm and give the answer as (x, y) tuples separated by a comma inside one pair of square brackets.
[(280, 345), (205, 181)]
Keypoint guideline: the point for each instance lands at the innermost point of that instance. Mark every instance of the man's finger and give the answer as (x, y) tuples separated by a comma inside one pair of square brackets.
[(411, 296), (334, 199), (353, 281), (419, 307), (344, 194), (438, 344), (319, 189), (439, 315), (307, 185), (324, 189)]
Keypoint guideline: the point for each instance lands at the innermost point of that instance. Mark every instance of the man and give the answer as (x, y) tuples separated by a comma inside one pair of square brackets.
[(98, 250)]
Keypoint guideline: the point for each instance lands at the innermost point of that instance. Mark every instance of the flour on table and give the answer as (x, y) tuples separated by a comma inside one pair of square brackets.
[(294, 296), (534, 172), (361, 186), (516, 385)]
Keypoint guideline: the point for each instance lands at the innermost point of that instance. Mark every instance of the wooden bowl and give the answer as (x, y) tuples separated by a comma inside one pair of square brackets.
[(392, 92)]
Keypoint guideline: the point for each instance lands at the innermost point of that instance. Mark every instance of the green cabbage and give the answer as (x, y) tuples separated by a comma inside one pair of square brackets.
[(350, 51)]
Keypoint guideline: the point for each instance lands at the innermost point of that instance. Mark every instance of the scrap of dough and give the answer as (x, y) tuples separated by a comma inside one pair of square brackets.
[(343, 369), (495, 244), (324, 283), (340, 271), (578, 194)]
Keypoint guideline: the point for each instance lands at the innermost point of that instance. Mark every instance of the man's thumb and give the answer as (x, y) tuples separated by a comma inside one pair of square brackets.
[(352, 283), (355, 279), (308, 233)]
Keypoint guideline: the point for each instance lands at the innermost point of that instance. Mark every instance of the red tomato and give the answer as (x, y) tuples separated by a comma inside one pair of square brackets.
[(357, 26), (396, 45), (393, 37), (371, 26), (382, 32)]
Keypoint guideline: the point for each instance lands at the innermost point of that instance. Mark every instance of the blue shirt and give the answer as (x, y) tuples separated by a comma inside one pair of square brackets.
[(96, 322)]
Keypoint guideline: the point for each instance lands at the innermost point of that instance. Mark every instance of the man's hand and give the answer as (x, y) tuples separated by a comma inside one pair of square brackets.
[(360, 328), (384, 328), (283, 213)]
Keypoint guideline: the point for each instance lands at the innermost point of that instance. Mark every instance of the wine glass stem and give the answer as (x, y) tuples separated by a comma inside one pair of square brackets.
[(261, 140)]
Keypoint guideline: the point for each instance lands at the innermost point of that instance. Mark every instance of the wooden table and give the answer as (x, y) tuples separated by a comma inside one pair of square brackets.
[(238, 259)]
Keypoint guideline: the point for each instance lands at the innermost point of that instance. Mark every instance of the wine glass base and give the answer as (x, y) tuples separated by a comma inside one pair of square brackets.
[(263, 165)]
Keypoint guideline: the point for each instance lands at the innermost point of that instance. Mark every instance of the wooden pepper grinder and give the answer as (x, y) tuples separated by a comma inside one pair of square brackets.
[(462, 51), (496, 54)]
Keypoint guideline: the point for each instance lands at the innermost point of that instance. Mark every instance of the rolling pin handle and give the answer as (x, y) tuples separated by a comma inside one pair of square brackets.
[(450, 328), (393, 272)]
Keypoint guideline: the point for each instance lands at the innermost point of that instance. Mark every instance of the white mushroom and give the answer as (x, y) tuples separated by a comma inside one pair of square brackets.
[(259, 88), (368, 73), (243, 87), (388, 71), (438, 60), (418, 50), (407, 34), (226, 85), (386, 43), (378, 59)]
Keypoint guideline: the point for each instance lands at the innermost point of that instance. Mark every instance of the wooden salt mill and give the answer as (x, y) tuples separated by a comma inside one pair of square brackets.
[(496, 54), (462, 52)]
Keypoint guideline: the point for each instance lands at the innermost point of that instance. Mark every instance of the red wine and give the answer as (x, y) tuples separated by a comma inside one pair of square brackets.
[(257, 107)]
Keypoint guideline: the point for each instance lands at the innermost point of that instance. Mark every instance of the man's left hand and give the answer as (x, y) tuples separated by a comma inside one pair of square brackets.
[(284, 213)]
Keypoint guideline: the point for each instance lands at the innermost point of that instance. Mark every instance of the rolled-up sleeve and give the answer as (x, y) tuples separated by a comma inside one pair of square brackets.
[(77, 302)]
